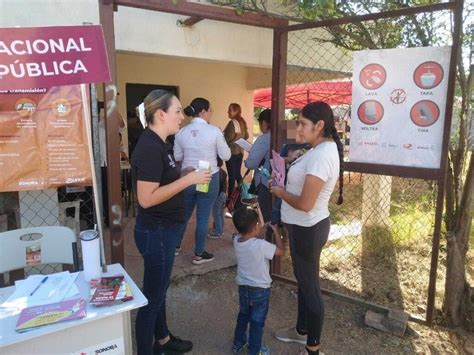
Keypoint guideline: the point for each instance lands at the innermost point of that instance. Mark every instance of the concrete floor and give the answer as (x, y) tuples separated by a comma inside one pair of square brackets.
[(221, 248), (202, 305), (183, 267)]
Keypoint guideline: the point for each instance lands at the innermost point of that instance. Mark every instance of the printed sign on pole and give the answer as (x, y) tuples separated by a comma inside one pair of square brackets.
[(398, 106), (43, 141), (42, 57)]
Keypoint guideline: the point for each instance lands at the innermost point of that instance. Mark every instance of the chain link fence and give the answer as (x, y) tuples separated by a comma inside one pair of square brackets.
[(379, 247), (381, 238)]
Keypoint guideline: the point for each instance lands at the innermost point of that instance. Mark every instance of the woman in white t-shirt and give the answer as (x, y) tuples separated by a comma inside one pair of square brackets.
[(310, 183)]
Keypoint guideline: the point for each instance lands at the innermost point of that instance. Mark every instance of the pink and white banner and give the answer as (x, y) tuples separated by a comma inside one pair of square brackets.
[(42, 57)]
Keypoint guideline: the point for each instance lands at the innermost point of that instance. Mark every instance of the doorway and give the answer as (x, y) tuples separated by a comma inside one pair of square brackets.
[(135, 94)]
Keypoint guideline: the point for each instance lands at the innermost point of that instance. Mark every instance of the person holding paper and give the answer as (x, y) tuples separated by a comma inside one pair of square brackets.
[(156, 178), (198, 142), (259, 157), (310, 182), (235, 129), (290, 152)]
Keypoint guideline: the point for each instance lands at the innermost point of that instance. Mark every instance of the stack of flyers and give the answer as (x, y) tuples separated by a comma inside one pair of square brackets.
[(110, 290)]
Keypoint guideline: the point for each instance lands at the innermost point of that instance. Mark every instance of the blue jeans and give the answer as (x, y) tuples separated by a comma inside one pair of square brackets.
[(203, 202), (276, 214), (218, 212), (253, 310), (157, 246)]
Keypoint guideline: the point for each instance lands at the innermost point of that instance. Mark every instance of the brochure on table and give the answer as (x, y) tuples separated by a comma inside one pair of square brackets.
[(37, 316), (398, 106)]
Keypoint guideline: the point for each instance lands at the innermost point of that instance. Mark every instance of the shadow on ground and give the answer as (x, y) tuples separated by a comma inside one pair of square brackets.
[(203, 302)]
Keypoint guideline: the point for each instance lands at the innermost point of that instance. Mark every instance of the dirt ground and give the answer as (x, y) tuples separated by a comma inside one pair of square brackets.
[(203, 308)]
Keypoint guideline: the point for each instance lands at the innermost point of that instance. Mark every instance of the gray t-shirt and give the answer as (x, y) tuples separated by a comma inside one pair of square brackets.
[(253, 267)]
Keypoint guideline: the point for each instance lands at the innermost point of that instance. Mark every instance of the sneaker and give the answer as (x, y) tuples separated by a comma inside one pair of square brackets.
[(290, 335), (305, 352), (214, 235), (203, 258), (176, 251), (264, 350), (175, 345), (228, 215), (241, 350)]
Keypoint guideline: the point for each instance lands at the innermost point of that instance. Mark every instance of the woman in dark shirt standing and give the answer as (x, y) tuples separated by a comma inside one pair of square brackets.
[(156, 178), (235, 129)]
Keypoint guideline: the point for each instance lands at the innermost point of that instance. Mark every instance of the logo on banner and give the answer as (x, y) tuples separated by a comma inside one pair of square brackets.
[(428, 75), (424, 113), (398, 96), (25, 106), (370, 112), (61, 107), (372, 76)]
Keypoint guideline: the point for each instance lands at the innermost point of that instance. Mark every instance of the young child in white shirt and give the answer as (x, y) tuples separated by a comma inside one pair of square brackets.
[(253, 277)]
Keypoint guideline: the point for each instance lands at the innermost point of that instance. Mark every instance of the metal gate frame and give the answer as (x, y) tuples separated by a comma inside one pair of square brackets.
[(279, 71)]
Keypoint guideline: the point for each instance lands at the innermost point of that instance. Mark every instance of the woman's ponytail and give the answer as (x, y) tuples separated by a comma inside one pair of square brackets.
[(340, 149), (189, 111)]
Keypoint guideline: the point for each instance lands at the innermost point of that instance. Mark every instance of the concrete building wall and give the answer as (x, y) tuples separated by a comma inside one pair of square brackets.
[(30, 13), (152, 32), (220, 83)]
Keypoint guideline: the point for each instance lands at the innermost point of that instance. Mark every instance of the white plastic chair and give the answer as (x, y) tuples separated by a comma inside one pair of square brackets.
[(20, 248)]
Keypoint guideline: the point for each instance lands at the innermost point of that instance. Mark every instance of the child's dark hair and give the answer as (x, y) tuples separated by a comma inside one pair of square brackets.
[(219, 162), (317, 111), (196, 106), (265, 116), (244, 219)]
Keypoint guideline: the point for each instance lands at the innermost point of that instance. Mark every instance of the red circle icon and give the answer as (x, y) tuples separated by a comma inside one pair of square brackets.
[(428, 75), (370, 112), (424, 113), (372, 76)]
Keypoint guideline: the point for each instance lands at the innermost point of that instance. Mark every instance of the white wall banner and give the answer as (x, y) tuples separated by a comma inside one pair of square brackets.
[(398, 104)]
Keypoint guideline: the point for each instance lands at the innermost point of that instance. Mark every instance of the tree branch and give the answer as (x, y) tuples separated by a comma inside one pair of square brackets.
[(466, 205), (449, 196)]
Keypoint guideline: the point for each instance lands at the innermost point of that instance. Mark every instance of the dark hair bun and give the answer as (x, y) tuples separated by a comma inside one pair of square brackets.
[(189, 111)]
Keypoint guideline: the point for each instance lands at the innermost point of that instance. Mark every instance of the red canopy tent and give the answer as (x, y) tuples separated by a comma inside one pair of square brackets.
[(331, 92)]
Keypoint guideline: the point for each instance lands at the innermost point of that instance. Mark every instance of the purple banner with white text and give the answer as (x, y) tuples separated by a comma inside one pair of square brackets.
[(52, 56)]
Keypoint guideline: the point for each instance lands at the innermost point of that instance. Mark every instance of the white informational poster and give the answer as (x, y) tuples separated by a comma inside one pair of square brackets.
[(398, 106)]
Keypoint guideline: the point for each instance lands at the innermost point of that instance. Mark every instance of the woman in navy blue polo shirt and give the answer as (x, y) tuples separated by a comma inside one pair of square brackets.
[(156, 178)]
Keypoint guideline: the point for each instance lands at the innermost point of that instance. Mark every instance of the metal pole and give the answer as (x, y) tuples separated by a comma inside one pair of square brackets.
[(280, 51), (87, 116), (444, 160), (96, 143)]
